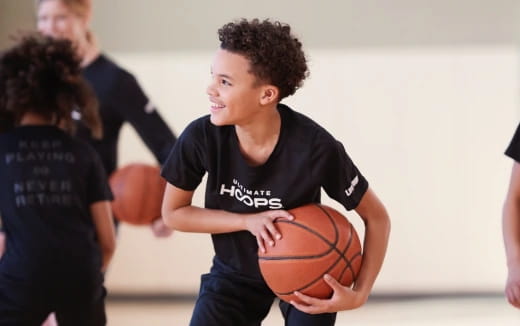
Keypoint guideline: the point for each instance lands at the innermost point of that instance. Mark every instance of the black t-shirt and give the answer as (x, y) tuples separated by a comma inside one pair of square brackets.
[(47, 182), (121, 99), (305, 159), (513, 150)]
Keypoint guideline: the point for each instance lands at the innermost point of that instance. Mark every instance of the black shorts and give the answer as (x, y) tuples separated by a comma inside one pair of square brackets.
[(227, 299), (74, 303)]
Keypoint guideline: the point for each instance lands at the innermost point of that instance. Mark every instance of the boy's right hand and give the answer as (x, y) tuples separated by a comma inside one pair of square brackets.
[(261, 225)]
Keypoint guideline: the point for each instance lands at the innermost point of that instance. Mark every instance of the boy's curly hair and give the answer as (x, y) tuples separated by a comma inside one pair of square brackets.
[(275, 56), (43, 76)]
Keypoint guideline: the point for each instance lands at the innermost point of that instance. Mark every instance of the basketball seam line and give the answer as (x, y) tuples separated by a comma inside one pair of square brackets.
[(331, 245), (341, 253), (341, 256)]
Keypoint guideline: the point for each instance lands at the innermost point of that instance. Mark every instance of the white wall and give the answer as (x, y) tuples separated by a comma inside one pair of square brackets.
[(427, 126), (166, 25), (192, 24)]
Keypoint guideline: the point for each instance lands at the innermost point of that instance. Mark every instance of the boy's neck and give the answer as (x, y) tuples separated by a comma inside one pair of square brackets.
[(258, 139)]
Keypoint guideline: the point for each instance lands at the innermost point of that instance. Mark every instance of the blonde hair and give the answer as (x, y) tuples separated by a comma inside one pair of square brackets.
[(82, 8)]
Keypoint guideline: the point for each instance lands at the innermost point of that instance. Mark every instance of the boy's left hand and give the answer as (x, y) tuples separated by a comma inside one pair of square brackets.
[(343, 298)]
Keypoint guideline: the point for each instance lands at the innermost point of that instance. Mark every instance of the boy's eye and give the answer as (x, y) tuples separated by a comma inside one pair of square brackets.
[(225, 82)]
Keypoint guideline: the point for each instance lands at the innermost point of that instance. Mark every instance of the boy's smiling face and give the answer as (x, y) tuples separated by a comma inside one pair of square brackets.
[(235, 93)]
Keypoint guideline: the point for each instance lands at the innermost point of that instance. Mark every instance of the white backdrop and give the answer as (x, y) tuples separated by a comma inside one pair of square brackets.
[(427, 126)]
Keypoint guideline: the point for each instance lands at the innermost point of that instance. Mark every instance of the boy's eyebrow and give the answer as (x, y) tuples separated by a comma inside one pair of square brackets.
[(225, 76)]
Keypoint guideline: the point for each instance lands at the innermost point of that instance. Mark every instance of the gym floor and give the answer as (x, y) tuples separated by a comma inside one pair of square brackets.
[(404, 311)]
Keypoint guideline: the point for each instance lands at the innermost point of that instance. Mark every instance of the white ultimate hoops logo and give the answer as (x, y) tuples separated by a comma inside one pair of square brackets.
[(353, 184), (252, 198)]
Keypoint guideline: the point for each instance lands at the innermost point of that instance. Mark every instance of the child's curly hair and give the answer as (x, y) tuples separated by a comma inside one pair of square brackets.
[(276, 56), (43, 76)]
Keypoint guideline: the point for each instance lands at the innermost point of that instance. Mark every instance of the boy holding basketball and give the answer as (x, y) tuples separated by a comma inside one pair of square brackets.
[(262, 158)]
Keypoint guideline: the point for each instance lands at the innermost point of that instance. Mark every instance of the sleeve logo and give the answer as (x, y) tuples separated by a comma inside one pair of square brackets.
[(353, 184)]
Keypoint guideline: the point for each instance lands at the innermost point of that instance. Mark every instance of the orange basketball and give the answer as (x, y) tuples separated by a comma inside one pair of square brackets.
[(138, 192), (319, 241)]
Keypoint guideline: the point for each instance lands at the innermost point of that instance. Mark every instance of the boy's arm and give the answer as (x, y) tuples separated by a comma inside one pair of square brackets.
[(104, 224), (377, 230), (511, 233), (179, 214)]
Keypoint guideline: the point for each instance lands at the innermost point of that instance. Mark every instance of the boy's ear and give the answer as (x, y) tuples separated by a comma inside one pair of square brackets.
[(269, 95)]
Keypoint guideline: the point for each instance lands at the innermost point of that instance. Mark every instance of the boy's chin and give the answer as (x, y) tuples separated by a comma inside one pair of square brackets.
[(218, 121)]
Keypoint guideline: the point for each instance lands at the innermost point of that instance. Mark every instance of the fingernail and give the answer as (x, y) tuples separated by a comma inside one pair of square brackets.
[(271, 243), (327, 276), (278, 236)]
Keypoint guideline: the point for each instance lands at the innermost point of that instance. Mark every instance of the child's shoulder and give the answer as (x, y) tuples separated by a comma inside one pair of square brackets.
[(304, 126)]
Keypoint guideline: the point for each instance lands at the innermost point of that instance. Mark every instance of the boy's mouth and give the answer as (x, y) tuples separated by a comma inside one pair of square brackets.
[(216, 107)]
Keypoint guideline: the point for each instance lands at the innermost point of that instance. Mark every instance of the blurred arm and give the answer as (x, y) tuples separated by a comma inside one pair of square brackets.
[(511, 234), (104, 224)]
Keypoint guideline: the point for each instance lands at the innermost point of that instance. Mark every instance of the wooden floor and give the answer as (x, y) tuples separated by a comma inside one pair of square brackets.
[(462, 311)]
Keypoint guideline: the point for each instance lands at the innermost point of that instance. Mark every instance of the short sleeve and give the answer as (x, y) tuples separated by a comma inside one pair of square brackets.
[(513, 150), (98, 188), (185, 165), (339, 176)]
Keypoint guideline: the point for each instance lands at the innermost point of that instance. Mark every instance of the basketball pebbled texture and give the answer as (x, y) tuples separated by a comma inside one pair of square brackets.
[(319, 241)]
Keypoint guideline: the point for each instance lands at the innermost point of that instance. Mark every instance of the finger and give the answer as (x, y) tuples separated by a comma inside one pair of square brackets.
[(281, 214), (266, 236), (310, 309), (273, 230), (332, 282), (307, 300), (260, 244), (302, 307)]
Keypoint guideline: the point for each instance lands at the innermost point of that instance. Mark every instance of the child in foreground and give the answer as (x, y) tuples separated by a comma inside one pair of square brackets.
[(262, 159)]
